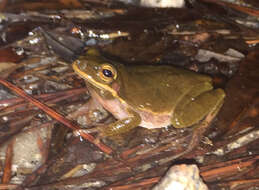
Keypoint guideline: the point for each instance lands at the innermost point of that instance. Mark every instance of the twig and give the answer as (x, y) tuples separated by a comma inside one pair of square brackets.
[(236, 184), (247, 10), (17, 126), (8, 163), (8, 186), (42, 97), (252, 41), (224, 169), (56, 115), (3, 5)]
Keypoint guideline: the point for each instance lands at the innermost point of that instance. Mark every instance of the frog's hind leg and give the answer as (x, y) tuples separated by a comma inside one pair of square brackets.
[(196, 135), (199, 129), (191, 112)]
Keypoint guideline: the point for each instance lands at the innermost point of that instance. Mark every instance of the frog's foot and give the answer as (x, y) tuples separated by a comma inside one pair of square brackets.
[(98, 129), (92, 130)]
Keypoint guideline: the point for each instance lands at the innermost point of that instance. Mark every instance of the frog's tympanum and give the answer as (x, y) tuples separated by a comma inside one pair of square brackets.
[(150, 96)]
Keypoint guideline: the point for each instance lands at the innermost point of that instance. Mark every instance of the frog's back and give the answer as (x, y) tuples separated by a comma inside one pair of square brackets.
[(157, 88)]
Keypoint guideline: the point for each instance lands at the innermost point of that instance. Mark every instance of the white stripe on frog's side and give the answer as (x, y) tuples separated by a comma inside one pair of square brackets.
[(151, 121)]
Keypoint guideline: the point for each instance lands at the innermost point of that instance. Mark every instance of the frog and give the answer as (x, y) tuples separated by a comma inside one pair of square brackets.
[(147, 95)]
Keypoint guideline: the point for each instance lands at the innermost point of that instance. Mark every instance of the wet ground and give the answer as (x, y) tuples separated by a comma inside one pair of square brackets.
[(39, 41)]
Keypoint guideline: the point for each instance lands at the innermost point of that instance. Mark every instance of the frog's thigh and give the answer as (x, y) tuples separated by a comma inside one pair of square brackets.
[(123, 125), (186, 115)]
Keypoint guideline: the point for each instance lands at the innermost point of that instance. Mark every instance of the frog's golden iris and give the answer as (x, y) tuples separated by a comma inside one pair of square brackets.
[(107, 73)]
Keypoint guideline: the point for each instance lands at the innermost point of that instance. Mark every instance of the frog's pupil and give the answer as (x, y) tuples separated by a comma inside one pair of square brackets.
[(107, 73)]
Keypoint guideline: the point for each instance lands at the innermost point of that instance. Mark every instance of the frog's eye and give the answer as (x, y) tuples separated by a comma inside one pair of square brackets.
[(107, 73)]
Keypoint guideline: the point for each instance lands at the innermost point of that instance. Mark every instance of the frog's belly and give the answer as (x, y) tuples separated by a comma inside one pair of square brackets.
[(119, 111), (152, 121), (148, 120)]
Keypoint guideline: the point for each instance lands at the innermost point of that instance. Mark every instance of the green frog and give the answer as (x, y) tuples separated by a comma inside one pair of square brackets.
[(150, 96)]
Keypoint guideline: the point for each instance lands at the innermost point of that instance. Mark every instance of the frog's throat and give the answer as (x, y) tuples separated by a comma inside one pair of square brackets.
[(95, 83)]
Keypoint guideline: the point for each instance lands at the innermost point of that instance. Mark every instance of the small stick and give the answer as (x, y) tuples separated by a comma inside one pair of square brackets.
[(8, 164), (247, 10)]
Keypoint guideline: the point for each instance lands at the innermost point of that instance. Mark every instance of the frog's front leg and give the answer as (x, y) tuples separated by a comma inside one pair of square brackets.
[(193, 111), (122, 126)]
